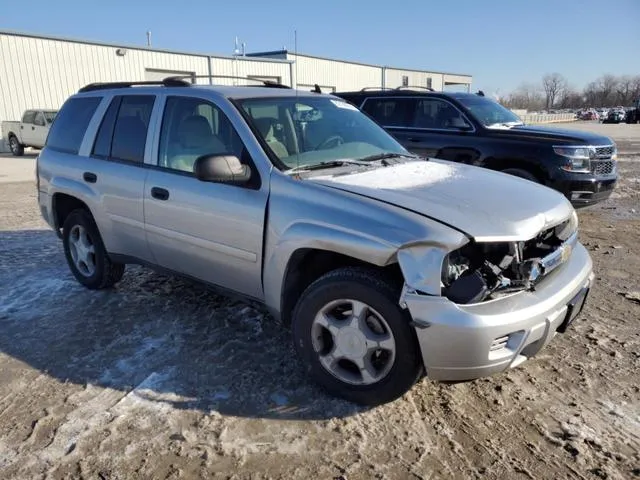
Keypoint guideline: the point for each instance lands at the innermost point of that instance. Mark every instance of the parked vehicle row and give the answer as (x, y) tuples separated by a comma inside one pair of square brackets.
[(386, 265), (32, 131), (473, 129)]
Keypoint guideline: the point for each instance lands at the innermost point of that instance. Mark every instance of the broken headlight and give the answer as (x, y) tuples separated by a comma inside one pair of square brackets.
[(478, 271)]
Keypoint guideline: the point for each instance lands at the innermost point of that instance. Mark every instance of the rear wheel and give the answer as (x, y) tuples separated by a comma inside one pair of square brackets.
[(354, 339), (517, 172), (86, 256), (14, 145)]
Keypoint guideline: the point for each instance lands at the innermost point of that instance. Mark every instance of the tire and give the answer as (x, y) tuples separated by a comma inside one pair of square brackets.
[(98, 270), (14, 145), (397, 371), (516, 172)]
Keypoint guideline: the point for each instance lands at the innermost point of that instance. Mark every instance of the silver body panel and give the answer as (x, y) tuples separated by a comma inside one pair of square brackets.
[(243, 238)]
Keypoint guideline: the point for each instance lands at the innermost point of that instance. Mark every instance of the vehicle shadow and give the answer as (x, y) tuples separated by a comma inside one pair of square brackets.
[(154, 336)]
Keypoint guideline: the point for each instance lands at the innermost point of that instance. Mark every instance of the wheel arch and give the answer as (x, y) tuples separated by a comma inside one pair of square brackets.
[(500, 164)]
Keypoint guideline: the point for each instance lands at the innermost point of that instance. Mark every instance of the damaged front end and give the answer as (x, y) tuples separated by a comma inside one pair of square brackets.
[(477, 272)]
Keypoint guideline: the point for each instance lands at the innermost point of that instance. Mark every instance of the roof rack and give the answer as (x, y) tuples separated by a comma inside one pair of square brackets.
[(167, 82), (265, 83), (414, 87), (374, 88)]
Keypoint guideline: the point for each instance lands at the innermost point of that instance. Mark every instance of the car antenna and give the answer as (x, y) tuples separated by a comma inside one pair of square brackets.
[(481, 93), (316, 88), (295, 106)]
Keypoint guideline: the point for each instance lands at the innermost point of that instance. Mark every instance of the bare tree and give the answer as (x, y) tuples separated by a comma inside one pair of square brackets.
[(606, 86), (624, 90), (553, 85)]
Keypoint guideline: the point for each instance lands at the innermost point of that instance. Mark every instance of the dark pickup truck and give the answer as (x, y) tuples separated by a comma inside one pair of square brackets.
[(471, 128)]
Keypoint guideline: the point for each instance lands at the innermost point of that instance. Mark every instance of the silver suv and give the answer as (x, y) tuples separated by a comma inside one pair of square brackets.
[(384, 264)]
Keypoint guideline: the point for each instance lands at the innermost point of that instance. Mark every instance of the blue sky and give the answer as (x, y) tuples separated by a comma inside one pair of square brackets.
[(502, 43)]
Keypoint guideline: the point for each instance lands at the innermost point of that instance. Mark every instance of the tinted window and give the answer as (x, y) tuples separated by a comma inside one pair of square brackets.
[(71, 123), (29, 116), (39, 120), (192, 127), (437, 114), (102, 145), (390, 112), (130, 131)]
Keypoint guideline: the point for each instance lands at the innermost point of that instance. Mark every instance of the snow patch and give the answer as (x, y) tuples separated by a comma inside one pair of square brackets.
[(33, 294), (405, 175)]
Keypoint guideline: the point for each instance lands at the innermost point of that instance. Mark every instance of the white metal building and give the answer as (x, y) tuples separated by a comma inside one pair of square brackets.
[(41, 72), (341, 75)]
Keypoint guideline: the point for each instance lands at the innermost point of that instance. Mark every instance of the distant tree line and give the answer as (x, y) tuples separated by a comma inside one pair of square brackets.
[(554, 92)]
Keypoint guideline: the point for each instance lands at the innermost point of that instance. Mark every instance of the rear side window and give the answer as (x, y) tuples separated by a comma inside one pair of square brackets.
[(390, 112), (71, 123), (130, 131), (123, 132), (29, 116)]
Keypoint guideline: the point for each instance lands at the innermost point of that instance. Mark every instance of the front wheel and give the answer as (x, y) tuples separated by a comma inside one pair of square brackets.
[(354, 339), (517, 172), (14, 145)]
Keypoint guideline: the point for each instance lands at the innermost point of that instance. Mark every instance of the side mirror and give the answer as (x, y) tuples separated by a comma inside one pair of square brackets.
[(221, 169), (460, 124)]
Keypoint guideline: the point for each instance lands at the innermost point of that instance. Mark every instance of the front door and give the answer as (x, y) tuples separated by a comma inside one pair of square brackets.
[(209, 231)]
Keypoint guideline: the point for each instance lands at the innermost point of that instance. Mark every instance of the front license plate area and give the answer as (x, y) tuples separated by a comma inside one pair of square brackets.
[(574, 307)]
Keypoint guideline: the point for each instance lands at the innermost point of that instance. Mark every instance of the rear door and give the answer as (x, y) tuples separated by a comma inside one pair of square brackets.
[(209, 231), (39, 131), (116, 169), (27, 127)]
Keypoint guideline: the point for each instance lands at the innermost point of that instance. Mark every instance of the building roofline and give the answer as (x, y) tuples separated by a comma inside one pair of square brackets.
[(288, 52), (15, 33)]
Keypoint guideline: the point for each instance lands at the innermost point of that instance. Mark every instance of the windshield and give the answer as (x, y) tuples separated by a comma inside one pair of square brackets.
[(490, 113), (308, 131), (49, 116)]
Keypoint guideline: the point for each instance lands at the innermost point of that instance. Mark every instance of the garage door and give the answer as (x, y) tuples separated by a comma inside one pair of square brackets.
[(154, 74), (324, 88)]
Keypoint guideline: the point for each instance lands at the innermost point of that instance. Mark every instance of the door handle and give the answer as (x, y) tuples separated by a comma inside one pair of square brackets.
[(413, 139), (90, 177), (21, 127), (160, 193), (33, 128)]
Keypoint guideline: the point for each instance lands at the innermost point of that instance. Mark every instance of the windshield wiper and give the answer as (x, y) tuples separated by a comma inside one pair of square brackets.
[(506, 124), (327, 164), (385, 156)]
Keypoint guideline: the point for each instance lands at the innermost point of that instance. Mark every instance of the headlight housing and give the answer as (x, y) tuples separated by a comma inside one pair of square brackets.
[(578, 158)]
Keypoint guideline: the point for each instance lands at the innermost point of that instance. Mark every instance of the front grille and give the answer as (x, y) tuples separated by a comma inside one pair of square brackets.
[(603, 167), (605, 152)]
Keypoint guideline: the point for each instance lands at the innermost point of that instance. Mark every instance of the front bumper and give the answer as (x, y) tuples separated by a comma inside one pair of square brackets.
[(584, 189), (463, 342)]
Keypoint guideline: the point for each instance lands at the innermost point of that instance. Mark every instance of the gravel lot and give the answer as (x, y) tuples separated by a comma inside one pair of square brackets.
[(159, 378)]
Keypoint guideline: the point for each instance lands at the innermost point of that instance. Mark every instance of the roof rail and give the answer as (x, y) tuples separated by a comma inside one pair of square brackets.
[(374, 88), (167, 82), (265, 83), (414, 87)]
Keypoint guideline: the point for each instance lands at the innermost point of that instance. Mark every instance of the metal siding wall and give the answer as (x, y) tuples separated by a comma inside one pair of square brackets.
[(243, 67), (42, 73), (343, 76), (394, 76)]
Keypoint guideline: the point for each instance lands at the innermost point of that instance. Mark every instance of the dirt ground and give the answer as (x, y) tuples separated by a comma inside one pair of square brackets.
[(160, 379)]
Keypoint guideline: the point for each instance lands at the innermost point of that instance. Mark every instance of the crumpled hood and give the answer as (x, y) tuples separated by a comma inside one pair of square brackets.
[(486, 205)]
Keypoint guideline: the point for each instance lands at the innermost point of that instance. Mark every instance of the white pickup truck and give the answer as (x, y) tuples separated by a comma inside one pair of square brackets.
[(32, 131)]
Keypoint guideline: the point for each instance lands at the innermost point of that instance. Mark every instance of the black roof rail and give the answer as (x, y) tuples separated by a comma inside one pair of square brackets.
[(364, 89), (167, 82), (413, 87), (265, 83)]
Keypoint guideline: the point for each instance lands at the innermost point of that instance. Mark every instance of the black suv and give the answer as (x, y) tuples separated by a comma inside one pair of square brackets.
[(471, 128)]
